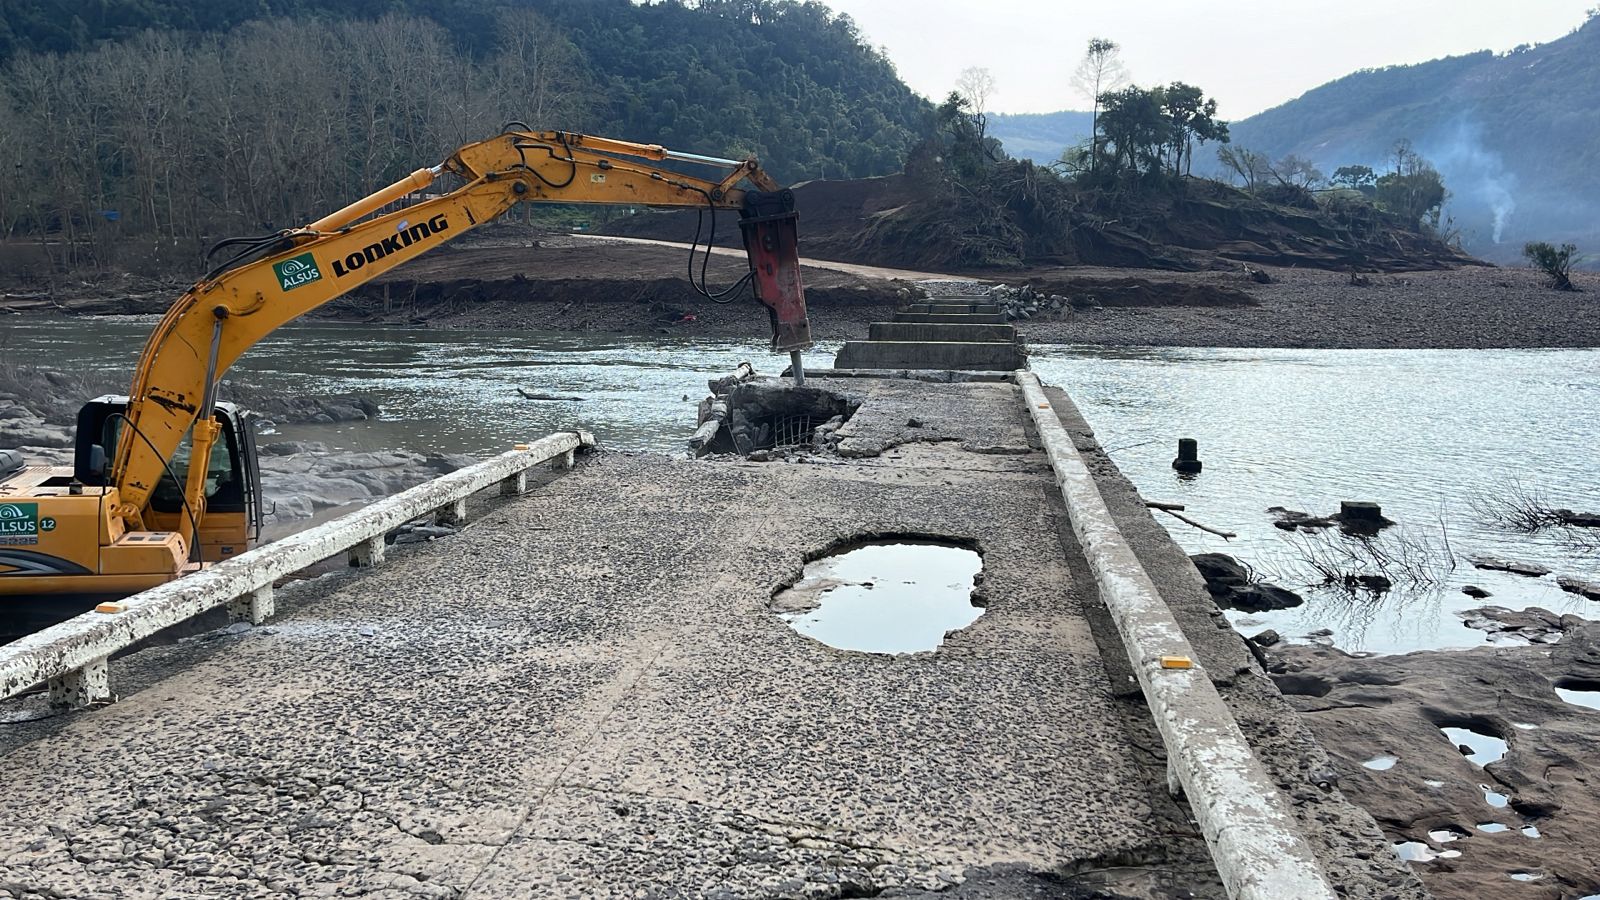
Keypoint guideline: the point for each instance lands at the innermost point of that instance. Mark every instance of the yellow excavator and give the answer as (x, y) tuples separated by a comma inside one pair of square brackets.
[(165, 480)]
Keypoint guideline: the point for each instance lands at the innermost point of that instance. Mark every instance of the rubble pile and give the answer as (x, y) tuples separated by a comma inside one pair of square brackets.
[(1026, 303)]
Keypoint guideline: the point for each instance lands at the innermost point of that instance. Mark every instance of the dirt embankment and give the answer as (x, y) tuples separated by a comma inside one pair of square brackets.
[(512, 277), (897, 220), (563, 284)]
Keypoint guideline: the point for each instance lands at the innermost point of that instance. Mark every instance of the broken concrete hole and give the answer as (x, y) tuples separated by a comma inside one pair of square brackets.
[(769, 415), (889, 595)]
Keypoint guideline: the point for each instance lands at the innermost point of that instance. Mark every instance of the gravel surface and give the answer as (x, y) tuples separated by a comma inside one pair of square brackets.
[(1468, 308)]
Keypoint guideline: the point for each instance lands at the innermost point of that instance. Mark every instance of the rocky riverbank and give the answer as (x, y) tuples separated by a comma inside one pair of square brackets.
[(301, 481), (1480, 765)]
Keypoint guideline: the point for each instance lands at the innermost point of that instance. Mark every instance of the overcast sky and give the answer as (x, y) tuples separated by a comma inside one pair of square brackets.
[(1249, 54)]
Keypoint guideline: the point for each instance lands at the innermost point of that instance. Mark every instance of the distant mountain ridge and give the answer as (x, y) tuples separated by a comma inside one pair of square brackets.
[(1040, 137), (1516, 136)]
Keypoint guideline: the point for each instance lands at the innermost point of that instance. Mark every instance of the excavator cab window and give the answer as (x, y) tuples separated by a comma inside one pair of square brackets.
[(233, 474), (226, 489)]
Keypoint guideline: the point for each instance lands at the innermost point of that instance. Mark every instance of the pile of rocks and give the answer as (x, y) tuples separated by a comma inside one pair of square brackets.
[(1026, 303), (1230, 584)]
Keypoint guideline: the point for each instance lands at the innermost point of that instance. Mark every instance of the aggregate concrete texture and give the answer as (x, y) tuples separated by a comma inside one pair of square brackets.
[(585, 693)]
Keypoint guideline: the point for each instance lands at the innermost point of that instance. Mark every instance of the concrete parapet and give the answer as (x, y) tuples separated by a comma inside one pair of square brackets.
[(1254, 839)]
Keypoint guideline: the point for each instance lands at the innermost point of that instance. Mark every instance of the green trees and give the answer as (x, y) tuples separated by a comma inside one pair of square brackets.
[(1356, 178), (1149, 131), (1555, 262), (1414, 190)]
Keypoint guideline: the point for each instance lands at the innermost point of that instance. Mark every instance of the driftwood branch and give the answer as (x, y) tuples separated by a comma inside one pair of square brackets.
[(1225, 535), (1164, 507)]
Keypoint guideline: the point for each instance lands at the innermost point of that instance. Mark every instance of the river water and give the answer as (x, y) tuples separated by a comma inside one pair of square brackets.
[(1421, 432)]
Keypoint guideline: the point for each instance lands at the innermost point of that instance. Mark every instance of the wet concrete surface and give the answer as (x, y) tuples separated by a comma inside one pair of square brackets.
[(585, 693)]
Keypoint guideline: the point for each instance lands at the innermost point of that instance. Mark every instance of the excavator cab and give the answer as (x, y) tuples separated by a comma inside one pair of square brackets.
[(232, 519)]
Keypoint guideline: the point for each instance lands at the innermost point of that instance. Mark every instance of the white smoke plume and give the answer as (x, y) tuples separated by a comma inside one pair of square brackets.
[(1475, 175)]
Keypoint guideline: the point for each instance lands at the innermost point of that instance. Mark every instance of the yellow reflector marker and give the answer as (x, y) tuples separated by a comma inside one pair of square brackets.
[(519, 446), (1176, 662), (110, 608)]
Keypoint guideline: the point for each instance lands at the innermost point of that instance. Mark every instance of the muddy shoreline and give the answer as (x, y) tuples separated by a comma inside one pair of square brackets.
[(567, 284)]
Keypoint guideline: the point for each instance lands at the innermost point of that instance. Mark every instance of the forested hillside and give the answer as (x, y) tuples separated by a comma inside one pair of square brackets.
[(245, 115), (1040, 137), (788, 80), (1516, 136)]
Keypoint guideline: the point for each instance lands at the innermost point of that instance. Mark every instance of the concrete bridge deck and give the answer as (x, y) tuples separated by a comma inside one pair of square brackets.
[(585, 693)]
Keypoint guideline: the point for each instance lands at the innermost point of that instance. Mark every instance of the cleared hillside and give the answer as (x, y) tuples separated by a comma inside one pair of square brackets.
[(1516, 136)]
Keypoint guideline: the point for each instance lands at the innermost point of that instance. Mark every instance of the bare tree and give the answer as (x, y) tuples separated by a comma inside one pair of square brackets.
[(1297, 171), (976, 85), (1101, 72), (165, 142), (1251, 167), (535, 76)]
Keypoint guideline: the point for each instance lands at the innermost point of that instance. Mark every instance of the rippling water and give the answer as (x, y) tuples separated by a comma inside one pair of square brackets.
[(449, 391), (1420, 432)]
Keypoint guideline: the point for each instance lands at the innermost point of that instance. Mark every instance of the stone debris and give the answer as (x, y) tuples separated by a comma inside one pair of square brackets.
[(531, 394), (1495, 564), (1589, 590), (1355, 518), (1230, 584), (1530, 626), (1025, 303)]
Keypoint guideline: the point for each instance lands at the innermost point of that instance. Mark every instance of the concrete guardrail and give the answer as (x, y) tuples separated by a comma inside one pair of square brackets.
[(1255, 842), (71, 656)]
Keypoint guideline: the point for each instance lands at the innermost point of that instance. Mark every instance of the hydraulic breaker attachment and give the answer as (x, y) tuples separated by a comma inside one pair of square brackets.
[(770, 237)]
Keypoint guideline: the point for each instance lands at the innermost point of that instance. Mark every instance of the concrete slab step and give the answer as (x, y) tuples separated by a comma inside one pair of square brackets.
[(989, 356), (946, 306), (941, 331), (952, 318)]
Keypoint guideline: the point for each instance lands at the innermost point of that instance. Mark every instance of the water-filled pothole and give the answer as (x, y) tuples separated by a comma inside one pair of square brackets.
[(1579, 692), (1479, 748), (886, 596), (1417, 851)]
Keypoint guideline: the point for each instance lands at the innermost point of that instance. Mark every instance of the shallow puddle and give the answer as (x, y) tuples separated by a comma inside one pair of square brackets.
[(1381, 763), (1492, 827), (1580, 693), (885, 597), (1493, 797), (1485, 748), (1417, 851), (1445, 835)]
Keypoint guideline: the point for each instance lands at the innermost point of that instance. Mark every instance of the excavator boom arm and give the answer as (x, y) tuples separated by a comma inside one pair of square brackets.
[(223, 316)]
